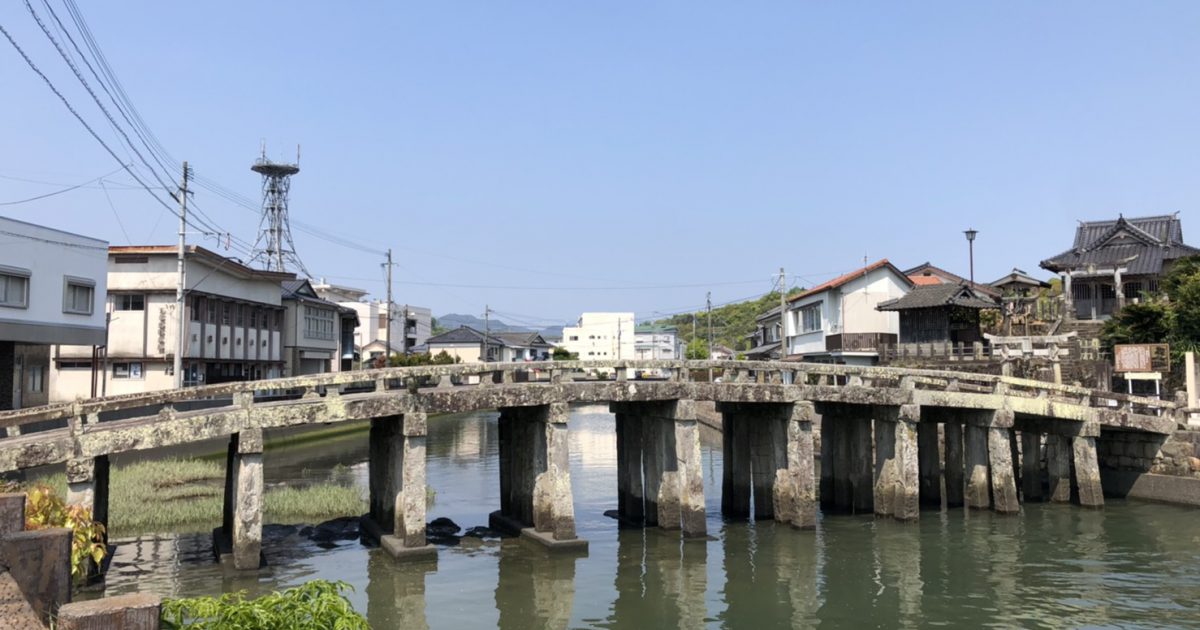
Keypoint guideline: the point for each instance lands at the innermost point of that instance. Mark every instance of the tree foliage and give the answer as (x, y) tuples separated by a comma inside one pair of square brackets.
[(314, 605), (731, 323), (44, 509), (562, 354), (697, 349), (1172, 316)]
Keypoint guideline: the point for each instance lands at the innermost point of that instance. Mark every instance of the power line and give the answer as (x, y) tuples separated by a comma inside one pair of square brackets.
[(59, 192), (78, 117), (82, 80)]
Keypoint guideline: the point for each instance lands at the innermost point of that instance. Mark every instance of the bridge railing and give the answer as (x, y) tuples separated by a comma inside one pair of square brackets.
[(561, 372)]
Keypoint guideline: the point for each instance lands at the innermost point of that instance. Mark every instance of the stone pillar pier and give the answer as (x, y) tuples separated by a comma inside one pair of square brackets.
[(630, 501), (930, 464), (667, 482), (847, 466), (735, 463), (769, 456), (1004, 486), (241, 530), (897, 469), (396, 481), (1087, 472), (87, 486), (1031, 465), (1058, 467), (795, 488), (976, 471), (954, 464), (535, 479), (862, 469)]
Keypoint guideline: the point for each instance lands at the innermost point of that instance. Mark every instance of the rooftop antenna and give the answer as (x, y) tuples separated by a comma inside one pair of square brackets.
[(274, 249)]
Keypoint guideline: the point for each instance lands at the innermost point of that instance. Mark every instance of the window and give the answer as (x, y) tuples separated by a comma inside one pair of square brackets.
[(211, 310), (131, 370), (241, 314), (14, 287), (37, 379), (574, 337), (318, 323), (383, 320), (810, 318), (74, 365), (78, 295), (131, 303), (226, 313), (196, 309)]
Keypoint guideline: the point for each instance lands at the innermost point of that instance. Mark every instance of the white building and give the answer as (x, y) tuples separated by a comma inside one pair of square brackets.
[(52, 290), (318, 335), (657, 342), (601, 337), (411, 325), (836, 322), (234, 316)]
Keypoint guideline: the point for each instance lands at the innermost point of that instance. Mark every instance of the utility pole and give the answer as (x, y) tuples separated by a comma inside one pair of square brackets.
[(181, 285), (404, 330), (783, 314), (487, 332), (388, 333), (708, 301)]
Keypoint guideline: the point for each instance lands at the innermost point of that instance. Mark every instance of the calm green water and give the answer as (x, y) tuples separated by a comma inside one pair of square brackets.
[(1130, 565)]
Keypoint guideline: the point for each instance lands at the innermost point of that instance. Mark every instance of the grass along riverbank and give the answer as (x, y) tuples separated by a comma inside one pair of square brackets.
[(185, 495)]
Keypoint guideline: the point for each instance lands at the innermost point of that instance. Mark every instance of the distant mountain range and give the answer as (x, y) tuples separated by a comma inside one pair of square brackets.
[(454, 320)]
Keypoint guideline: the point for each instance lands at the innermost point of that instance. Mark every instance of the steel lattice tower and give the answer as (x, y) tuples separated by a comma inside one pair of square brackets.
[(274, 248)]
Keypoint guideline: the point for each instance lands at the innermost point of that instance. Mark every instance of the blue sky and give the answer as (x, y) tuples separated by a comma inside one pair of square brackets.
[(566, 155)]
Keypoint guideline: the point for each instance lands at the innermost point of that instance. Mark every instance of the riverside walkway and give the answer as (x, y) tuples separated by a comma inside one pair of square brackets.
[(889, 437)]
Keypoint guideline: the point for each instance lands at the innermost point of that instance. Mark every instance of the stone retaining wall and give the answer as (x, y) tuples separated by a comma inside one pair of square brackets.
[(1173, 455)]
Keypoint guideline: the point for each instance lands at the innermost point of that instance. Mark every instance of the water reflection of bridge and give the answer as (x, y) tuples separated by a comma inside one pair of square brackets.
[(880, 443)]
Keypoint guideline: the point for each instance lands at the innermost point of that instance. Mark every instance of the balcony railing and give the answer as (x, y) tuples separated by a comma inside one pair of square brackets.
[(859, 342)]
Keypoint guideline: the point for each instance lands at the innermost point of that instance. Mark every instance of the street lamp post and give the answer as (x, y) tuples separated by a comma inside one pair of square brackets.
[(971, 249)]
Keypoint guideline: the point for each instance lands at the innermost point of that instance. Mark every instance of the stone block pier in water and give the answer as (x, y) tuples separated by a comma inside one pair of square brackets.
[(892, 439)]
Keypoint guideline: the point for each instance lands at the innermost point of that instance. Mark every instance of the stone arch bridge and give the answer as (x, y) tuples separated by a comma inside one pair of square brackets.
[(881, 431)]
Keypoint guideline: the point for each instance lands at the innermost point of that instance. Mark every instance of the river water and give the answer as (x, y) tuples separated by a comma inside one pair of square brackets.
[(1130, 565)]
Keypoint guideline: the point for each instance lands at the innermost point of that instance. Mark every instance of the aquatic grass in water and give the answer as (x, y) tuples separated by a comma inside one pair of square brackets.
[(186, 495)]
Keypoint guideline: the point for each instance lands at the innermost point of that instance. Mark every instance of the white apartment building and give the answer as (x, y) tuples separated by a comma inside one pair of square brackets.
[(234, 325), (837, 322), (411, 325), (601, 337), (657, 342), (52, 290)]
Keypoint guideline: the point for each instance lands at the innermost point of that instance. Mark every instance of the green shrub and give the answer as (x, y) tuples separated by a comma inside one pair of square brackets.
[(315, 605)]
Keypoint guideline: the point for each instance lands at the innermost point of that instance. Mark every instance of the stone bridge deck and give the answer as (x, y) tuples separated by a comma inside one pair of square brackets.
[(768, 409)]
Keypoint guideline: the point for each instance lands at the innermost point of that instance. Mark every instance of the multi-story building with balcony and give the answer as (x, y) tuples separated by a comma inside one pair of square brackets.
[(233, 325), (837, 322)]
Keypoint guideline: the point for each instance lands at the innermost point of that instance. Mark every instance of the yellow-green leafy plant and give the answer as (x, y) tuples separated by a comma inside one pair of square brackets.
[(315, 605), (43, 509)]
